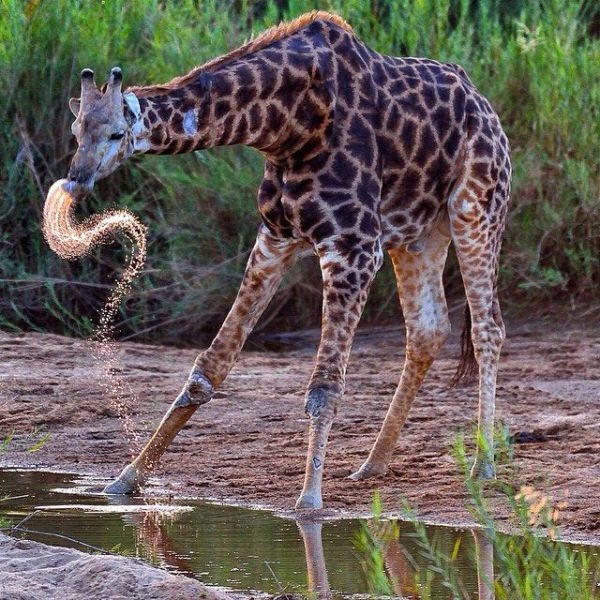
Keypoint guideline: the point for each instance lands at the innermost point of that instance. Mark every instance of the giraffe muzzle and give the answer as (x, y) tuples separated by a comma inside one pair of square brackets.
[(82, 178)]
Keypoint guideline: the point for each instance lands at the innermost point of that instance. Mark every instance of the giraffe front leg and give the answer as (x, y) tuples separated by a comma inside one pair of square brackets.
[(197, 391), (345, 290), (270, 258), (320, 406)]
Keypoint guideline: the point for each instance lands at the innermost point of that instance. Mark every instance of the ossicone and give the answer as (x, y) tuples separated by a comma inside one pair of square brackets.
[(88, 85), (116, 76)]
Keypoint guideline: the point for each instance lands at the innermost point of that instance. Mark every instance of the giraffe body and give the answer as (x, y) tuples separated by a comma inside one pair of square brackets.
[(363, 153)]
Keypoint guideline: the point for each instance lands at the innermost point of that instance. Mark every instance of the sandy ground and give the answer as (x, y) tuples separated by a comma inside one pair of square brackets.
[(29, 570), (248, 445)]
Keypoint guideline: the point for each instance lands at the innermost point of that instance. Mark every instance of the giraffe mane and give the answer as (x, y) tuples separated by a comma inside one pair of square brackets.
[(264, 39), (274, 34)]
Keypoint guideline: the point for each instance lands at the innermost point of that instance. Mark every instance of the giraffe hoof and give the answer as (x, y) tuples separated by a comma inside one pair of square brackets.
[(126, 483), (307, 501), (118, 488), (369, 469)]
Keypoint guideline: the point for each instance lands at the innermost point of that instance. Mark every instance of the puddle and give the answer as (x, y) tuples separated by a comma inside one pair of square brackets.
[(245, 550)]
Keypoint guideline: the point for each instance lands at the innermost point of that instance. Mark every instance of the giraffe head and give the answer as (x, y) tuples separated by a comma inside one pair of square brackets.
[(104, 128)]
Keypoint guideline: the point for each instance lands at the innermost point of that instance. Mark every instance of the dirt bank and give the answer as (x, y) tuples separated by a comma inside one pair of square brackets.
[(248, 445)]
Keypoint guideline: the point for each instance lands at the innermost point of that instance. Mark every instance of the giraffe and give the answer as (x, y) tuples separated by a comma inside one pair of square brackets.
[(364, 153)]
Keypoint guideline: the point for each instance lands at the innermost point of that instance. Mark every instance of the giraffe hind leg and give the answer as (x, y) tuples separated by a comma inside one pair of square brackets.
[(477, 210), (421, 292)]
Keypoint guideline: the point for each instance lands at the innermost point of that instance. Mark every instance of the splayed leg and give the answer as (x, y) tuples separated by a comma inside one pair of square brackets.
[(342, 308), (269, 260), (197, 391)]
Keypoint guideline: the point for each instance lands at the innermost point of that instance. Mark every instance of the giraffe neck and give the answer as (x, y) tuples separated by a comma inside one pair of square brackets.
[(251, 102)]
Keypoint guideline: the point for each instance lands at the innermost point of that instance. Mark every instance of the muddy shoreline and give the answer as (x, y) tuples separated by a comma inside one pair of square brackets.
[(248, 445)]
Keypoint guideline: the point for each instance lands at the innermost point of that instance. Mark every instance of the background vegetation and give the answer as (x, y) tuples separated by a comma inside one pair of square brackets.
[(538, 61)]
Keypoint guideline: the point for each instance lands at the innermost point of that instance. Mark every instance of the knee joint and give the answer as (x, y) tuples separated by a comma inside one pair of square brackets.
[(429, 341), (321, 401), (488, 334), (197, 390)]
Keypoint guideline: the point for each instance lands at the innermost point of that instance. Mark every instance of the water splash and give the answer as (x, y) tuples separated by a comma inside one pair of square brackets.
[(71, 239)]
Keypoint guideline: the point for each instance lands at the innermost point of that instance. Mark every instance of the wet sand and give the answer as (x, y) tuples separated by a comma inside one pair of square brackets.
[(248, 445)]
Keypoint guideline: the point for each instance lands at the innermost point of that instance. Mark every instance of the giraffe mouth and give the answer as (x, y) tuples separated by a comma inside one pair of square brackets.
[(83, 186), (77, 188), (80, 182)]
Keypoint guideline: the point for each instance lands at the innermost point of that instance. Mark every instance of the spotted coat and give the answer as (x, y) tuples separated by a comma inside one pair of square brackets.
[(364, 153)]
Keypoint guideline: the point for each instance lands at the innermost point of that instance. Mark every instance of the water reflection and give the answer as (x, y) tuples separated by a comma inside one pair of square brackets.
[(312, 536), (484, 555), (400, 569), (245, 550), (152, 537), (400, 566)]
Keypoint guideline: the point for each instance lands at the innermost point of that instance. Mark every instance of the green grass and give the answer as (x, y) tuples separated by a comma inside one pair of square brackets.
[(528, 564), (537, 62)]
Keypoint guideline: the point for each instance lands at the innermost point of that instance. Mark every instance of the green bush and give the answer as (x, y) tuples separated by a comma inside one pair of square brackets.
[(527, 564), (537, 62)]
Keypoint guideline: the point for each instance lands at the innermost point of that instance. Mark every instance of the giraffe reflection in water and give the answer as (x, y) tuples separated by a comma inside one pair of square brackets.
[(400, 570), (155, 541)]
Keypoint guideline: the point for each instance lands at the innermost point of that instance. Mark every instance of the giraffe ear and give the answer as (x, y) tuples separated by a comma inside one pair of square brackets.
[(75, 105), (131, 107)]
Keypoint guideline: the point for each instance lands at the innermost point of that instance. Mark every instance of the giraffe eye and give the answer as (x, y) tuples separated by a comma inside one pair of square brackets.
[(115, 137)]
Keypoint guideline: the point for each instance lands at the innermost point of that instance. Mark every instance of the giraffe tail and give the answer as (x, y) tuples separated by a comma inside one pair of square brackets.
[(467, 365)]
